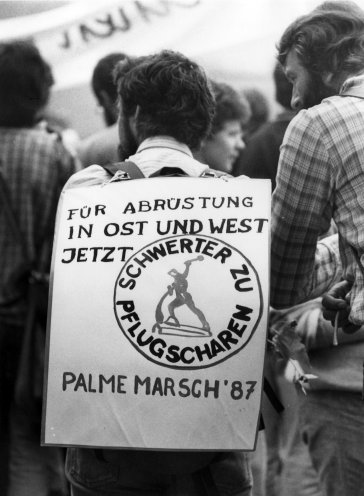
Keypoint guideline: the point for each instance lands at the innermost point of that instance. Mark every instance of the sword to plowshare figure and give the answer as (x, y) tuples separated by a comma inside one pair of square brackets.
[(182, 297)]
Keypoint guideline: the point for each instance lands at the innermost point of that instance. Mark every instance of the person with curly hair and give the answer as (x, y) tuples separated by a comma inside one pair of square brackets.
[(320, 172), (166, 108), (34, 166), (320, 179), (225, 140)]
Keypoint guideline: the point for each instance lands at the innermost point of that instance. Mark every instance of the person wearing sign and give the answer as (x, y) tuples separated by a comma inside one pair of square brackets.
[(166, 110)]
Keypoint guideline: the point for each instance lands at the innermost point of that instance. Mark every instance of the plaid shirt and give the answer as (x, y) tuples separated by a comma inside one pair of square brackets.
[(320, 177), (35, 166)]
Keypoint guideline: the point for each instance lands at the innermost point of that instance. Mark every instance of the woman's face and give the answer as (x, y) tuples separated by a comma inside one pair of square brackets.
[(222, 149)]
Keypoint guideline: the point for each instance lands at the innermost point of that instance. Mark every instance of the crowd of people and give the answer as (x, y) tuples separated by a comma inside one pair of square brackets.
[(163, 109)]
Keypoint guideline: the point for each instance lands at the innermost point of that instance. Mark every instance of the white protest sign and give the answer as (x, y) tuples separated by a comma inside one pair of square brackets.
[(159, 314)]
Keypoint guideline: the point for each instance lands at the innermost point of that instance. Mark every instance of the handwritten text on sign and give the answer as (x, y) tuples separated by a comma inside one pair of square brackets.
[(171, 278)]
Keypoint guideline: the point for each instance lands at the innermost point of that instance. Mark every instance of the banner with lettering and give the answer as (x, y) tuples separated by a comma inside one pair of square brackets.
[(158, 316), (233, 40), (230, 38)]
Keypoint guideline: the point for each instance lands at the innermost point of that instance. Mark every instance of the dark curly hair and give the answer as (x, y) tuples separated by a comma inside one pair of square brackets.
[(230, 106), (171, 95), (283, 87), (329, 39), (25, 82)]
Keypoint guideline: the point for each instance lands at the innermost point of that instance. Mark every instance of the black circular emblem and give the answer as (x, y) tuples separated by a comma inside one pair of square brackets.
[(188, 302)]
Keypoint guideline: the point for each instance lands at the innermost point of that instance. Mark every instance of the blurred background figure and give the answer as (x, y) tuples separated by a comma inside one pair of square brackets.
[(34, 165), (59, 122), (232, 113), (261, 155), (102, 147), (260, 110)]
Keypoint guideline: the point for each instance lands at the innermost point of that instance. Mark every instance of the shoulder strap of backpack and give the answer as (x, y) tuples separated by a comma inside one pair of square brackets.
[(127, 166), (134, 172)]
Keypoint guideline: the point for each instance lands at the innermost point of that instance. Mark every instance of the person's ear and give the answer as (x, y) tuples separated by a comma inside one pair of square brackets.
[(133, 120)]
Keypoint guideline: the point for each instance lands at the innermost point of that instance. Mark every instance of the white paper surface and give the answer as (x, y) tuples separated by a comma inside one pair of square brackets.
[(159, 314)]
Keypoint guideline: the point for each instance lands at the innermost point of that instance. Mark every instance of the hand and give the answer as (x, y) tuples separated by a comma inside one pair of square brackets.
[(337, 301)]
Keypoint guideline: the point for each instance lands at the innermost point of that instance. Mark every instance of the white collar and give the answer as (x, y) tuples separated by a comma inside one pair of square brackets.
[(164, 142)]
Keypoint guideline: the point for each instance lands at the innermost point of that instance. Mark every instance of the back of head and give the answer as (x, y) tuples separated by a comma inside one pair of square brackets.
[(102, 76), (169, 95), (230, 106), (340, 5), (25, 82), (259, 108), (330, 39), (283, 87)]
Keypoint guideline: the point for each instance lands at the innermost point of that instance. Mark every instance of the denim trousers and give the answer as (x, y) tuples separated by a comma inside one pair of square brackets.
[(332, 425), (90, 475)]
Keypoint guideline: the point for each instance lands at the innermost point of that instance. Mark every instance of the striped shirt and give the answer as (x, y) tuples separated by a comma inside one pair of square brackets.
[(320, 177), (35, 166)]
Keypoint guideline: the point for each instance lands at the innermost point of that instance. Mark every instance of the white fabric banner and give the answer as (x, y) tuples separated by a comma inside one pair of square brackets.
[(234, 40), (231, 38), (159, 315)]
